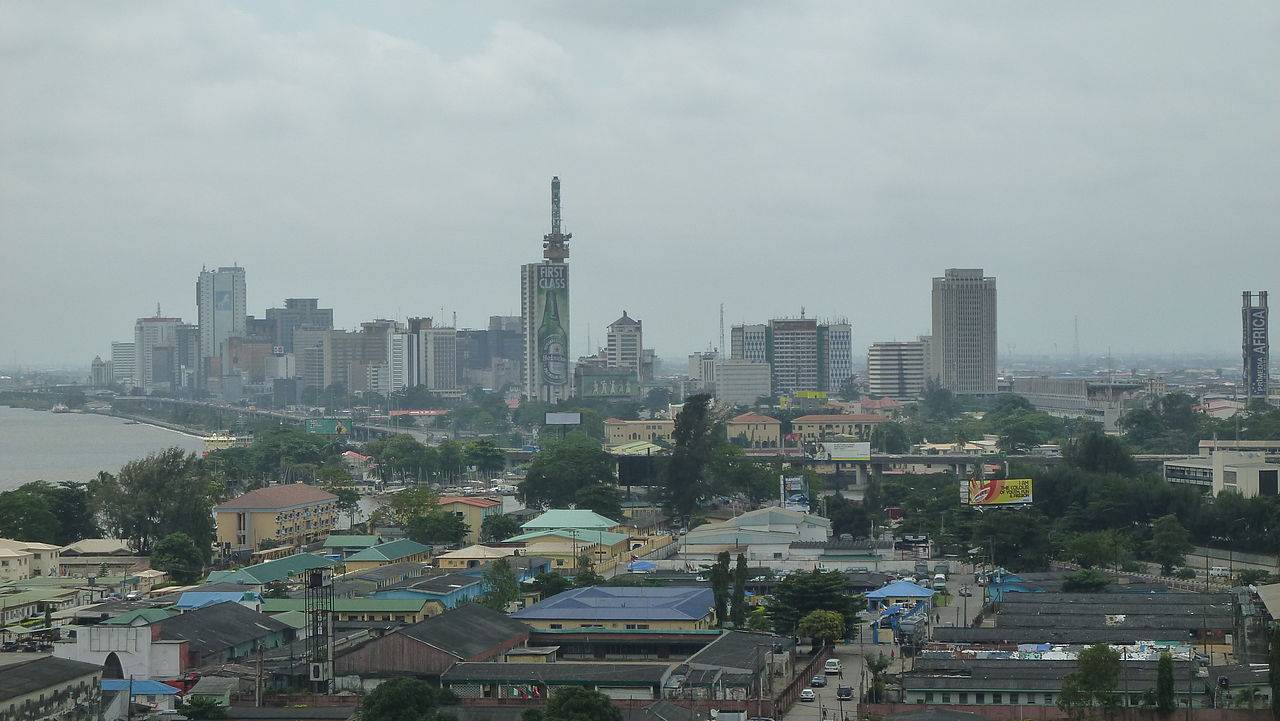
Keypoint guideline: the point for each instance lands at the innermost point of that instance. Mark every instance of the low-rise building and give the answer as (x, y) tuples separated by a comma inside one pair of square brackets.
[(557, 519), (1245, 473), (472, 556), (761, 535), (44, 556), (752, 430), (470, 633), (618, 432), (15, 565), (49, 689), (154, 695), (903, 593), (538, 680), (818, 428), (365, 608), (98, 557), (344, 545), (449, 590), (403, 550), (623, 608), (1102, 402), (289, 568), (1269, 449), (473, 510), (1028, 683), (565, 546), (738, 665), (288, 514)]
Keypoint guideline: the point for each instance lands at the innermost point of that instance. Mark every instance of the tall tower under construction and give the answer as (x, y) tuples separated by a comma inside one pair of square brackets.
[(1255, 344), (544, 310)]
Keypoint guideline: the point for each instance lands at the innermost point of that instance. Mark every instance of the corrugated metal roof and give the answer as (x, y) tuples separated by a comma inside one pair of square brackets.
[(682, 603), (390, 551), (604, 538), (568, 518)]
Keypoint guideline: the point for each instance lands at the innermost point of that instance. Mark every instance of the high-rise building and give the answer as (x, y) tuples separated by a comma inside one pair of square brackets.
[(438, 356), (896, 369), (741, 382), (99, 372), (308, 355), (297, 313), (154, 342), (793, 356), (186, 356), (1255, 344), (624, 345), (122, 363), (702, 371), (750, 342), (544, 308), (400, 354), (220, 304), (835, 355), (963, 345)]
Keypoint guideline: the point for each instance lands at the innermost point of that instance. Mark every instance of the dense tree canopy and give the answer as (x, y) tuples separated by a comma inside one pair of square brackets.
[(177, 555), (695, 437), (563, 468), (164, 493), (405, 699), (801, 593)]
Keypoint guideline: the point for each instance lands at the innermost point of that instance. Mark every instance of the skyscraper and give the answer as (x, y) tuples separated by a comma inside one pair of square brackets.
[(298, 313), (1255, 344), (835, 355), (963, 345), (802, 354), (122, 363), (154, 342), (438, 358), (624, 344), (749, 342), (896, 369), (544, 310), (220, 304)]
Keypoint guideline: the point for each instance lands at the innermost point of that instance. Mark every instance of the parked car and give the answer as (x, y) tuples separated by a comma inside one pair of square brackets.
[(808, 695), (844, 693), (964, 591), (818, 681), (832, 667)]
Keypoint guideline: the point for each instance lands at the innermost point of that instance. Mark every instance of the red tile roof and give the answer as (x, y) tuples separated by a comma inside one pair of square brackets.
[(842, 418), (753, 418), (281, 496), (470, 501)]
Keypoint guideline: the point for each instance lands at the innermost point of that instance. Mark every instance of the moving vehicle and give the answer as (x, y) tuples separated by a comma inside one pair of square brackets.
[(939, 582), (832, 667), (844, 693), (818, 681), (922, 567), (943, 567), (808, 695)]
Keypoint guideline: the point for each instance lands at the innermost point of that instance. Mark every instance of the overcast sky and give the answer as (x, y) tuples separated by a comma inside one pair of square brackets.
[(1115, 161)]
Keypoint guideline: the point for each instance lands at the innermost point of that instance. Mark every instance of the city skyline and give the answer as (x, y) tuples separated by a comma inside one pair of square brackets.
[(700, 173)]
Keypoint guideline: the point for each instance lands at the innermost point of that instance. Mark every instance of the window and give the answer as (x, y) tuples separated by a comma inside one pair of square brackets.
[(946, 698), (964, 697), (1048, 699), (1013, 697), (557, 625), (997, 698), (981, 697), (928, 697)]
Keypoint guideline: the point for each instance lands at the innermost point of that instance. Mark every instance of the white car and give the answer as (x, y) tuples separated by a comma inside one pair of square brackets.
[(808, 695)]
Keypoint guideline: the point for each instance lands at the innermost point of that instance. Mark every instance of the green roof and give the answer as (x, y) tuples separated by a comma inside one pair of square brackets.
[(150, 615), (604, 538), (349, 605), (568, 518), (336, 540), (277, 570), (296, 619), (22, 598), (390, 551)]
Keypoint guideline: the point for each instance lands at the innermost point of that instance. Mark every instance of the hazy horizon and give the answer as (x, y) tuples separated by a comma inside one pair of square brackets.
[(1116, 163)]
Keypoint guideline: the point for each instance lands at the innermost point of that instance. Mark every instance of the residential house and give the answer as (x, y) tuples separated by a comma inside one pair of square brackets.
[(365, 608), (617, 432), (559, 519), (538, 680), (345, 545), (19, 603), (214, 688), (285, 569), (566, 546), (429, 648), (818, 428), (383, 554), (363, 583), (754, 431), (96, 557), (471, 509), (48, 689), (449, 590), (625, 608), (472, 556), (44, 556), (15, 565), (292, 514)]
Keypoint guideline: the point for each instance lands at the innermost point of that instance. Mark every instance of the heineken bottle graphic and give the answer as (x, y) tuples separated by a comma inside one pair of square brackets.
[(553, 343)]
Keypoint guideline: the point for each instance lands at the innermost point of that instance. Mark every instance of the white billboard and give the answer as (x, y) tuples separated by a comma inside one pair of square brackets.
[(860, 451), (564, 419)]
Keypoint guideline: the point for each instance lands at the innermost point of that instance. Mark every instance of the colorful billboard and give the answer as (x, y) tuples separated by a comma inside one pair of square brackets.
[(328, 426), (551, 314), (997, 492), (847, 451)]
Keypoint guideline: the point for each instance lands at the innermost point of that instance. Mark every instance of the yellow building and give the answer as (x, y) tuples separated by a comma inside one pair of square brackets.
[(624, 608), (471, 509), (753, 430), (14, 565), (294, 514), (817, 428), (44, 556), (565, 546), (618, 432), (385, 554), (472, 556)]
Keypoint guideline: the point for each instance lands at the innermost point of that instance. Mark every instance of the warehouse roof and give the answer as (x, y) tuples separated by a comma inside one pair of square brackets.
[(683, 603), (1050, 634), (218, 627), (344, 540), (740, 651), (38, 674), (560, 672), (276, 570), (467, 631), (582, 535), (391, 551), (349, 605), (568, 518)]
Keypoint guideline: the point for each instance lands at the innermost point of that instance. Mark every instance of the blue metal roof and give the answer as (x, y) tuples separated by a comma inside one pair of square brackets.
[(141, 687), (901, 589), (652, 603), (199, 599)]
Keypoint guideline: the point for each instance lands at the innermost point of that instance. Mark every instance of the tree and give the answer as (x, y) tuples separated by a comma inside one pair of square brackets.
[(1165, 703), (938, 403), (27, 517), (1170, 543), (487, 457), (824, 627), (1085, 581), (603, 498), (1093, 684), (348, 499), (408, 504), (721, 576), (738, 602), (437, 526), (1100, 453), (502, 584), (1273, 670), (559, 470), (164, 493), (69, 506), (405, 699), (848, 516), (657, 399), (498, 527), (549, 584), (877, 665), (177, 555), (276, 589), (580, 704), (1019, 538), (451, 459), (203, 707), (694, 438), (890, 438), (1097, 548), (803, 592)]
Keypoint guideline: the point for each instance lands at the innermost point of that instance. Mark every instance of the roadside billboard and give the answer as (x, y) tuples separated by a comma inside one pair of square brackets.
[(551, 312), (607, 383), (564, 419), (997, 492), (860, 451), (328, 426), (1256, 349)]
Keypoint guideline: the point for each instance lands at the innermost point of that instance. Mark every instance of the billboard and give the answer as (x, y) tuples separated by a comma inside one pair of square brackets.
[(551, 320), (847, 451), (997, 492), (328, 426), (607, 382), (564, 419), (1256, 346)]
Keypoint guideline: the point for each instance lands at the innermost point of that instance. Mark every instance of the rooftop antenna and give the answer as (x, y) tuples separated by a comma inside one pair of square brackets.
[(722, 327), (157, 309), (455, 319), (1077, 341), (555, 245)]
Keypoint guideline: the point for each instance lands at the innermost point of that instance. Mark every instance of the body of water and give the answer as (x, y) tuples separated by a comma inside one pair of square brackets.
[(39, 445)]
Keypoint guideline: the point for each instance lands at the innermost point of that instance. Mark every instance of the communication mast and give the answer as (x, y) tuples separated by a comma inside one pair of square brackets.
[(555, 245), (318, 605)]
